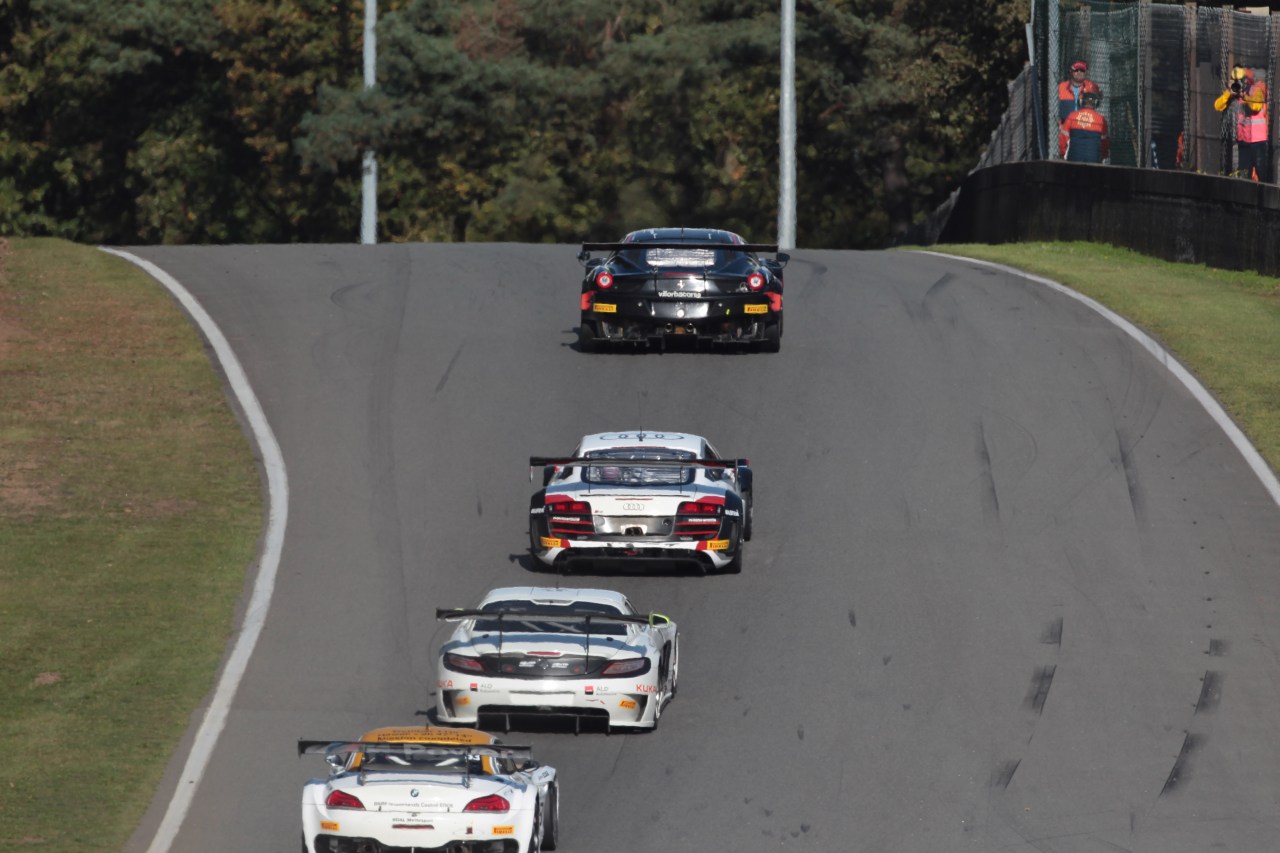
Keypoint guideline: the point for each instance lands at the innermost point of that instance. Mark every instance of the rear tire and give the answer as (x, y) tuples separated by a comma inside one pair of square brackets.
[(587, 337), (747, 505), (735, 565), (772, 341), (535, 837), (551, 835)]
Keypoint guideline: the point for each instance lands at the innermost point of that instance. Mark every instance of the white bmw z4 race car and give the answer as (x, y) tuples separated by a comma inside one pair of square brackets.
[(641, 498), (570, 654), (426, 788)]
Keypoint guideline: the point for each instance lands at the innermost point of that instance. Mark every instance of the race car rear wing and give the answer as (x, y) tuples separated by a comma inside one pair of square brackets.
[(467, 750), (678, 244), (458, 614), (461, 615), (337, 752), (544, 461), (558, 462)]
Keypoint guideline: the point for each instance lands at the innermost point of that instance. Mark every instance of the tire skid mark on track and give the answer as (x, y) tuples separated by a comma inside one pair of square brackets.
[(1210, 691), (1038, 694), (1003, 774), (1181, 771), (444, 378)]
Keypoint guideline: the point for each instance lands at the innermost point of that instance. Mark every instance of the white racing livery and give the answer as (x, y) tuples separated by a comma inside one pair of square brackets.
[(642, 499), (571, 654), (427, 788)]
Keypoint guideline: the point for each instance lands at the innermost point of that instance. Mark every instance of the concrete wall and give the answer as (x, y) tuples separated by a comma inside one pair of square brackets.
[(1179, 216)]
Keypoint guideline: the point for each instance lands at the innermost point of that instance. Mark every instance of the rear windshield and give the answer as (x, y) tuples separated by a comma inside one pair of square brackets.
[(613, 471), (414, 759), (510, 623)]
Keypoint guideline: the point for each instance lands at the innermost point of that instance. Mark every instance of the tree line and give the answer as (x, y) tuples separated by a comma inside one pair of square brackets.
[(244, 121)]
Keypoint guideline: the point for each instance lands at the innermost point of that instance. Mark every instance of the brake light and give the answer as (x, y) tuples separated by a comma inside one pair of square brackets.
[(342, 800), (604, 279), (491, 803), (624, 667), (755, 281), (568, 505), (698, 508), (463, 663)]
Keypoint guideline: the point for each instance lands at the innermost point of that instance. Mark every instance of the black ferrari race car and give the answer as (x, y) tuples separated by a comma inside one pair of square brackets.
[(702, 285)]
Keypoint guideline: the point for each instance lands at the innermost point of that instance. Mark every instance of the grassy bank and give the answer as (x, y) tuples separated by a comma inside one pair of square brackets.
[(1224, 326), (130, 507)]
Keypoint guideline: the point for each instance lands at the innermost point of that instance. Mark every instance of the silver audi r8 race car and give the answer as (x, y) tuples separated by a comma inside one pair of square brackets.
[(655, 499), (700, 285), (572, 654), (427, 788)]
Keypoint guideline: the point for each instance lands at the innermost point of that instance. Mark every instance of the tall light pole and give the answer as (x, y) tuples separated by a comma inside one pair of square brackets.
[(369, 169), (787, 131)]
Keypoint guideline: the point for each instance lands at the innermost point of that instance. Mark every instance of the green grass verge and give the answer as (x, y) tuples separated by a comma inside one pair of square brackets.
[(130, 507), (1222, 325)]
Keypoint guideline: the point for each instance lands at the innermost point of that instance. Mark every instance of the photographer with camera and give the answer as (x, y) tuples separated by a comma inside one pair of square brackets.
[(1246, 98)]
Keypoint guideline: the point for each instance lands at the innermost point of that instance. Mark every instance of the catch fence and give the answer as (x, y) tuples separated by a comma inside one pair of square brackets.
[(1160, 68)]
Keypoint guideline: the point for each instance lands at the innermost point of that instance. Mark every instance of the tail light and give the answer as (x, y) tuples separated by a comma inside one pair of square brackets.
[(698, 518), (604, 279), (491, 803), (463, 663), (342, 800), (629, 666), (569, 518), (755, 281)]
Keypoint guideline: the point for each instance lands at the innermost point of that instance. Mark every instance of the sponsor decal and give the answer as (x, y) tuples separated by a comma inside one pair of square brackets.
[(330, 826), (629, 704), (444, 684), (678, 294), (633, 506), (537, 510), (604, 308), (588, 689), (756, 309), (718, 545), (503, 830), (646, 688), (550, 542), (462, 700), (732, 512)]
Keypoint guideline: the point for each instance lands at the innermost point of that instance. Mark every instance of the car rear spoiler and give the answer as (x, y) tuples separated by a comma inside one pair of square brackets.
[(465, 750), (461, 615), (544, 461), (678, 244), (458, 614)]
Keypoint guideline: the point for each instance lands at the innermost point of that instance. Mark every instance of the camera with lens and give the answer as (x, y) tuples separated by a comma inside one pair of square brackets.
[(1237, 87)]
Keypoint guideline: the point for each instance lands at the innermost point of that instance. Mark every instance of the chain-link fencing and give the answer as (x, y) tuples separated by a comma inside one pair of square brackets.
[(1163, 70)]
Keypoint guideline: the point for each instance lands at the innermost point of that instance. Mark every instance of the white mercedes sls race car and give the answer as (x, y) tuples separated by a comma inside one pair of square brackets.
[(573, 654), (642, 498), (428, 788)]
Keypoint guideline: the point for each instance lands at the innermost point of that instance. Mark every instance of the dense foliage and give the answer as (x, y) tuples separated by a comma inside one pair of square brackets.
[(219, 121)]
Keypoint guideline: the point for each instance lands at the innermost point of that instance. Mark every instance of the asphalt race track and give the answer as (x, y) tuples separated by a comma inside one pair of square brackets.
[(1011, 588)]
